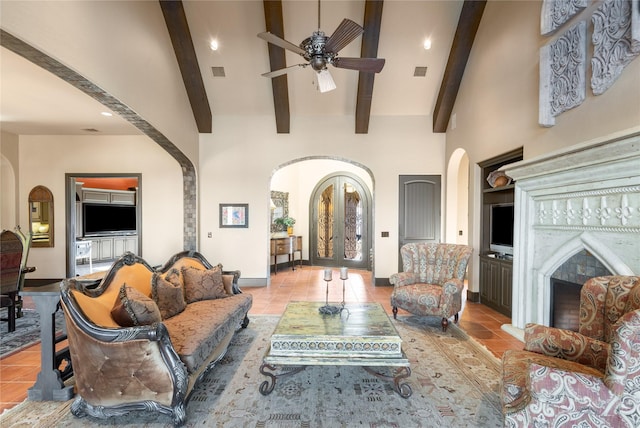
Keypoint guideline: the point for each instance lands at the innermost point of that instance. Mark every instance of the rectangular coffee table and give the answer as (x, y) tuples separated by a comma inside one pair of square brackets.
[(360, 335)]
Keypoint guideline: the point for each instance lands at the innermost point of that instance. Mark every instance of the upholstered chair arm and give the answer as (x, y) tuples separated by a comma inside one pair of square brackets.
[(559, 391), (403, 278), (450, 301), (566, 344)]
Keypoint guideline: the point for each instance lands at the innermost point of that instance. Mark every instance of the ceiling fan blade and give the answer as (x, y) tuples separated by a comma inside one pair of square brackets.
[(325, 81), (346, 32), (282, 71), (368, 65), (275, 40)]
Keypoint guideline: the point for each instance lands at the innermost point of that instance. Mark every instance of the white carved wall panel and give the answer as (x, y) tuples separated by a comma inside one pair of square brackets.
[(613, 44), (562, 73), (557, 12)]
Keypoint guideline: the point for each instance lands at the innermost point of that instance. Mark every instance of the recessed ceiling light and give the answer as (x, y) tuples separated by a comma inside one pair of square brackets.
[(427, 44), (106, 113), (213, 45)]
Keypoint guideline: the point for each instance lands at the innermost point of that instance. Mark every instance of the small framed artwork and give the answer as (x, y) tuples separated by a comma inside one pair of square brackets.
[(234, 215)]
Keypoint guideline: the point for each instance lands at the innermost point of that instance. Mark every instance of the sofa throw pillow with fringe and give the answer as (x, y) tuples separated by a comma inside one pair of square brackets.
[(168, 293), (132, 308), (202, 284)]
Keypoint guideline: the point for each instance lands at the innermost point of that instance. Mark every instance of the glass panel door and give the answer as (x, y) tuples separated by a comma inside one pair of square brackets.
[(339, 219)]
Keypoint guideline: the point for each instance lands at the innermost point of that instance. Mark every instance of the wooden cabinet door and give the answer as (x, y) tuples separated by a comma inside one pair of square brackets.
[(506, 277), (106, 248)]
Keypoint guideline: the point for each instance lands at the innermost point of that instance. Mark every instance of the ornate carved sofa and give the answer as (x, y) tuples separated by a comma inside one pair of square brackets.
[(431, 283), (141, 338), (585, 378)]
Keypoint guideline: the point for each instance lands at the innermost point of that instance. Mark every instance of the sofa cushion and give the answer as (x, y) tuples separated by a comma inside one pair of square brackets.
[(133, 308), (203, 284), (200, 328), (168, 293)]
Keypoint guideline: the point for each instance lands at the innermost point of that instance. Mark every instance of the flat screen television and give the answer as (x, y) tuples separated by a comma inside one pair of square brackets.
[(104, 219), (501, 233)]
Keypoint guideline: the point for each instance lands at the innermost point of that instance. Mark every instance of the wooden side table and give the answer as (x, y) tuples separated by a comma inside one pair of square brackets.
[(49, 383), (289, 245)]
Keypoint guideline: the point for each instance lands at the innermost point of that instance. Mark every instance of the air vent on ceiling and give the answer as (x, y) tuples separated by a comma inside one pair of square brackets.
[(420, 72), (218, 71)]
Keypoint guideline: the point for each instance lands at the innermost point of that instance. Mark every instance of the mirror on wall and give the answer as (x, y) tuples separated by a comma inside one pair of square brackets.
[(41, 217), (279, 208)]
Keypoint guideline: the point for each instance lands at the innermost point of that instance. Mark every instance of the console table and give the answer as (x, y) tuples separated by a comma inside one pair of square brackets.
[(289, 245)]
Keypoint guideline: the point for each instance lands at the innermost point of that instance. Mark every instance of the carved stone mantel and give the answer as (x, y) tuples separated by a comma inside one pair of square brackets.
[(583, 197)]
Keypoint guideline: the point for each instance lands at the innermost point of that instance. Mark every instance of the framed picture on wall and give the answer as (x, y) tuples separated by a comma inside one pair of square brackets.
[(234, 215)]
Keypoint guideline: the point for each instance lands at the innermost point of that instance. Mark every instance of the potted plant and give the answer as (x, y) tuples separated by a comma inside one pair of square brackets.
[(286, 223)]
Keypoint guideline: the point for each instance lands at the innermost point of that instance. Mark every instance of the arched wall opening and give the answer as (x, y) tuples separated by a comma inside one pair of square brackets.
[(8, 214), (457, 199), (299, 177)]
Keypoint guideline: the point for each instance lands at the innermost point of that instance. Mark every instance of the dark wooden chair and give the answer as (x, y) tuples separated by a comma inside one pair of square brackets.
[(11, 249)]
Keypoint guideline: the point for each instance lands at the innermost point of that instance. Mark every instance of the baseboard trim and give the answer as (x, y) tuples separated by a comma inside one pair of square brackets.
[(382, 282), (473, 296)]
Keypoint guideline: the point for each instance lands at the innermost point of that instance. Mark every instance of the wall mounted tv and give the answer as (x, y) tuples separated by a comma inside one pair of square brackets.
[(501, 239), (99, 219)]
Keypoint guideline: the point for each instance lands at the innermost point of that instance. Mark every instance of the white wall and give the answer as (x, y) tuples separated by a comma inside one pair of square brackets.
[(9, 170), (238, 161), (497, 105), (44, 160), (123, 47)]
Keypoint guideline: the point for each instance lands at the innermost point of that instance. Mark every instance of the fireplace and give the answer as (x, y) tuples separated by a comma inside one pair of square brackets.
[(565, 284), (581, 200), (565, 304)]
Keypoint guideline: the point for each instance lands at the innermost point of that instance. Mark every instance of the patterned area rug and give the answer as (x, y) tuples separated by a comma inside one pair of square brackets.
[(454, 380), (27, 331)]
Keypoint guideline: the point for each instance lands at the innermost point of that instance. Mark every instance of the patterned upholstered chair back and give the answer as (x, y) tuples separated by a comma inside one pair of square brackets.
[(435, 263), (603, 300)]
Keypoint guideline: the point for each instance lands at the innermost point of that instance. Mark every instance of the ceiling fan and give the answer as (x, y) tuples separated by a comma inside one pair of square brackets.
[(320, 50)]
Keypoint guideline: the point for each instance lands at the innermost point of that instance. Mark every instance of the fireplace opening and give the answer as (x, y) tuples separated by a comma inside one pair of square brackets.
[(566, 283), (565, 304)]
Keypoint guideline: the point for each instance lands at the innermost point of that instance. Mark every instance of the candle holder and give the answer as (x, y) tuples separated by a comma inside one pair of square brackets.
[(344, 276), (329, 309)]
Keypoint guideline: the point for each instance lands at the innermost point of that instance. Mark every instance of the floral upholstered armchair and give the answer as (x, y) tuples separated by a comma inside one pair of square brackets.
[(585, 378), (432, 280)]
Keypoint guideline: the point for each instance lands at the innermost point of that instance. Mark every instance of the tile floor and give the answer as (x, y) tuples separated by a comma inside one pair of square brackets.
[(18, 371)]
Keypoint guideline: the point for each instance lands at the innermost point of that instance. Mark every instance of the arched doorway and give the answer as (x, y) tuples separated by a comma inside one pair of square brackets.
[(457, 203), (340, 222)]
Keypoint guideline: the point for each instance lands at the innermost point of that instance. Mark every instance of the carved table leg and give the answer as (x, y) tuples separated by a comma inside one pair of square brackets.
[(403, 389), (267, 386)]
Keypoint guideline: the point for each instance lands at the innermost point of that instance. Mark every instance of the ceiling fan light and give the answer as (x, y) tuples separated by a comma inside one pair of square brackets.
[(325, 81)]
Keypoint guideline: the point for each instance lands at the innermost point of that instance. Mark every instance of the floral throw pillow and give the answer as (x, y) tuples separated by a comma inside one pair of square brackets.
[(168, 294), (132, 308), (203, 284)]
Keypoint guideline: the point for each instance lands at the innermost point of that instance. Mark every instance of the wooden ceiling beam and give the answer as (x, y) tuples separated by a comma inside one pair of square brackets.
[(176, 21), (369, 49), (468, 24), (277, 60)]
